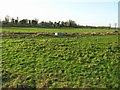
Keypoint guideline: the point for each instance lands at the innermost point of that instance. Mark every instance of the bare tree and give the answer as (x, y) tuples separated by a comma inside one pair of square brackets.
[(7, 19), (109, 25), (115, 25), (16, 20), (12, 20)]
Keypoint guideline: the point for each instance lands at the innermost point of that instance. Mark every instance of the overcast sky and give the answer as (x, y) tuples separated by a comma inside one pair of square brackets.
[(84, 12)]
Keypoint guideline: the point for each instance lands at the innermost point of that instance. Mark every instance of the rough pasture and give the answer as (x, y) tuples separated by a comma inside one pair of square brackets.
[(83, 61)]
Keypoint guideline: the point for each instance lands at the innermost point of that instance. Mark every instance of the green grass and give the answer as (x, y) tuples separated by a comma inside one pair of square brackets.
[(57, 62), (52, 30)]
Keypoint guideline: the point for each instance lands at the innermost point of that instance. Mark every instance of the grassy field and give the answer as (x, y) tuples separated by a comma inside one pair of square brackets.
[(52, 30), (57, 62)]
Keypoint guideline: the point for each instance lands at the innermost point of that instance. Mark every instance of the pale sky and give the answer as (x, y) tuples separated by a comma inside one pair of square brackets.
[(84, 12)]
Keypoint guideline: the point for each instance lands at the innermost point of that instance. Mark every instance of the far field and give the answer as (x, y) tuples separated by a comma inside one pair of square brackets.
[(57, 62), (52, 30)]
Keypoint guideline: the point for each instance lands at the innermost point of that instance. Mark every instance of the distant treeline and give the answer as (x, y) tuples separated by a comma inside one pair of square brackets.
[(11, 22)]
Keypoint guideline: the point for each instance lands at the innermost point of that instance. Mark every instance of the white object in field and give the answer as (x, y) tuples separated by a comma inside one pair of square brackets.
[(58, 34)]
